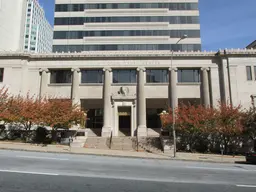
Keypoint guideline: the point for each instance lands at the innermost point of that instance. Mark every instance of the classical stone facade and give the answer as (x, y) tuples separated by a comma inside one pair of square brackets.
[(128, 90)]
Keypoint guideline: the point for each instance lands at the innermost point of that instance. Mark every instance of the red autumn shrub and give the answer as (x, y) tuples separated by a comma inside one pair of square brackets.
[(198, 124)]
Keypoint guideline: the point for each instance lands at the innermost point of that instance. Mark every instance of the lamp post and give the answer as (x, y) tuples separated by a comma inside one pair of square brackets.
[(172, 103)]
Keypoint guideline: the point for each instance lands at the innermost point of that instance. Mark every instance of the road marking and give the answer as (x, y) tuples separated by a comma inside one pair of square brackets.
[(247, 186), (46, 158), (28, 172)]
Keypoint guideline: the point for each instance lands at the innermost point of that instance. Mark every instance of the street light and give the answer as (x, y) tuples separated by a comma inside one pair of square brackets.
[(172, 102)]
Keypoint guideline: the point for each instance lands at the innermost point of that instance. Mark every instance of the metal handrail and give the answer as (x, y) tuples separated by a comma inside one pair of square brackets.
[(137, 142)]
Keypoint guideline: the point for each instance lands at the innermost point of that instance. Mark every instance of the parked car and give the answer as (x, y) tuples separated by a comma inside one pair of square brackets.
[(251, 157)]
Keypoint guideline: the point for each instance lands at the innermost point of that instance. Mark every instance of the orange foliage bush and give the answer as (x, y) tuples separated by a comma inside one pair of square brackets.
[(29, 111)]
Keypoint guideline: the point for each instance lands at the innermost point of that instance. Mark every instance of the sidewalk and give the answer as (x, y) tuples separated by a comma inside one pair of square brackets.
[(117, 153)]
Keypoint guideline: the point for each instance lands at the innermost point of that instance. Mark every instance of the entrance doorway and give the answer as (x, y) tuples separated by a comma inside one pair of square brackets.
[(124, 119)]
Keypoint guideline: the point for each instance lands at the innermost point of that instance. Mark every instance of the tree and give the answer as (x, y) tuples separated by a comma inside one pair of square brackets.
[(229, 125), (3, 101), (60, 113), (200, 127), (25, 112), (22, 113), (193, 125), (249, 122)]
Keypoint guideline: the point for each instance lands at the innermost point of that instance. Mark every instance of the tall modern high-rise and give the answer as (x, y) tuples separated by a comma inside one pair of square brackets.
[(38, 31), (99, 25), (23, 27)]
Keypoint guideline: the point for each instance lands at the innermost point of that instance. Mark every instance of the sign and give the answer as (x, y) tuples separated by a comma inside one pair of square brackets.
[(123, 113)]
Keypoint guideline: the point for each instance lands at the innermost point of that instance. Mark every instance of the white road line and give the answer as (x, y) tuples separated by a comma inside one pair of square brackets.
[(46, 158), (28, 172), (247, 186)]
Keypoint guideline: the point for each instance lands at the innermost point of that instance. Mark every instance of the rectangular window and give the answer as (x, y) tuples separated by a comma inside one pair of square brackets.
[(254, 72), (61, 76), (188, 75), (124, 76), (92, 76), (1, 74), (157, 76), (249, 73)]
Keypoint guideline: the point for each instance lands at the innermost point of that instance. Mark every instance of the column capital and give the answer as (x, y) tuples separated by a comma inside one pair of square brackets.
[(107, 69), (75, 70), (141, 69), (173, 69), (43, 70), (205, 69)]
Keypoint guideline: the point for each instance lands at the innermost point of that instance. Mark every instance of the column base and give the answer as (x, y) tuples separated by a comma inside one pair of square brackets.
[(142, 131), (106, 131)]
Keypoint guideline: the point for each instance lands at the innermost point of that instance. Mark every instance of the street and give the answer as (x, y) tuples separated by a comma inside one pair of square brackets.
[(48, 172)]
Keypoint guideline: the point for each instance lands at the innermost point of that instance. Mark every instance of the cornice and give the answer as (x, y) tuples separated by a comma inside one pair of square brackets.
[(127, 54)]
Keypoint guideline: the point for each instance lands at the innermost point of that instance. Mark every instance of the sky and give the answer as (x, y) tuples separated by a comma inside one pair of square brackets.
[(224, 23)]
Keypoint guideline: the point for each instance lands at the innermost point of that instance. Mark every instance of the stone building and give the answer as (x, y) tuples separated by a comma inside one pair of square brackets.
[(24, 27), (127, 90)]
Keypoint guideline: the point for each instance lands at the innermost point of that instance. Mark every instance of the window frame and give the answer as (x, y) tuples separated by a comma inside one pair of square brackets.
[(118, 76), (180, 70), (1, 75), (248, 78), (164, 77), (57, 82), (254, 68), (84, 71)]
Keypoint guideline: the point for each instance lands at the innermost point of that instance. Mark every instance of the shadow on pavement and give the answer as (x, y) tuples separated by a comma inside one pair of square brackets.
[(245, 162)]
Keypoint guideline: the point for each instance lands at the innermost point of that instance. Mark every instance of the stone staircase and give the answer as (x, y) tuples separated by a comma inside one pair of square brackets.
[(151, 144), (123, 143), (79, 141), (93, 132), (96, 143)]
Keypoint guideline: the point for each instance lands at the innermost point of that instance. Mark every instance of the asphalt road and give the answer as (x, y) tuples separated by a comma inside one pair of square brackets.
[(46, 172)]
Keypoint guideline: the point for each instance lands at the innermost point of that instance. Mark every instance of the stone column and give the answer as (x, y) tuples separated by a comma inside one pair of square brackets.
[(43, 83), (75, 87), (205, 87), (173, 99), (107, 118), (222, 81), (141, 103)]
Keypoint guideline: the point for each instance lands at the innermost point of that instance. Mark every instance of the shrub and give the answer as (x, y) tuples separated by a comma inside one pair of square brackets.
[(29, 111), (203, 129)]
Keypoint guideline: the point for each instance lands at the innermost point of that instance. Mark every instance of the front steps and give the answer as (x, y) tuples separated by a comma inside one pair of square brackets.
[(78, 141), (123, 143), (144, 144), (96, 143)]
